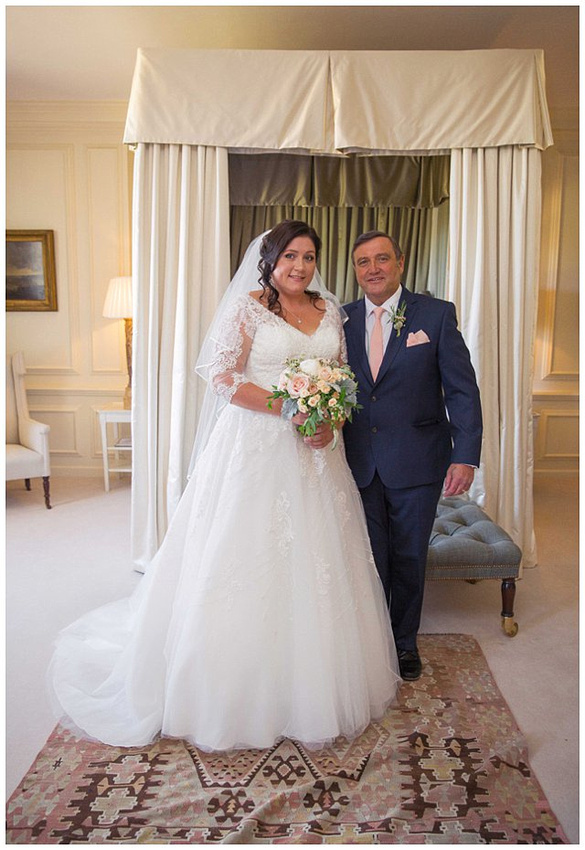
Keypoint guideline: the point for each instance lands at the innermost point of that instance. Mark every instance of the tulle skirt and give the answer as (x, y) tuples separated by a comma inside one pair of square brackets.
[(261, 617)]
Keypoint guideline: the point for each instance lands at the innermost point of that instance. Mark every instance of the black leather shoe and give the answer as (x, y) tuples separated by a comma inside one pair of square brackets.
[(410, 664)]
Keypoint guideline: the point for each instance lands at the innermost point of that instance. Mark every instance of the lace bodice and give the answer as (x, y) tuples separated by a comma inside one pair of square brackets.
[(254, 343)]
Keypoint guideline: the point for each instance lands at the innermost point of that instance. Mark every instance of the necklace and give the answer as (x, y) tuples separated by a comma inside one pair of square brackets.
[(298, 318), (292, 312)]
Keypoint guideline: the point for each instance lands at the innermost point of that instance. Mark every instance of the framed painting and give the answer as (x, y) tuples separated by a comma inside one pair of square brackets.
[(30, 270)]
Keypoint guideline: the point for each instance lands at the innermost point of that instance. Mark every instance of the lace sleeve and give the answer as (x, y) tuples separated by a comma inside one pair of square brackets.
[(343, 348), (232, 347), (342, 340)]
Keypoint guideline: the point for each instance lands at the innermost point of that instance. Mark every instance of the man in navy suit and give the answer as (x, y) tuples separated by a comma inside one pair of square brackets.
[(419, 430)]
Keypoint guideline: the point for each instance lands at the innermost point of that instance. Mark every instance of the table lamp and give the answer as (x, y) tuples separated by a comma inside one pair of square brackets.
[(118, 305)]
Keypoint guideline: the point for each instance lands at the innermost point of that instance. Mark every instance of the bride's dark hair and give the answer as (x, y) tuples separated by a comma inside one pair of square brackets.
[(273, 245)]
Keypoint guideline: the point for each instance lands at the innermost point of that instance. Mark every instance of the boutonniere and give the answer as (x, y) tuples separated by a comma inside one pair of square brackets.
[(398, 317)]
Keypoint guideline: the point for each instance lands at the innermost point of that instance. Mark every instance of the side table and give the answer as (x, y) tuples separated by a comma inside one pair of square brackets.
[(114, 414)]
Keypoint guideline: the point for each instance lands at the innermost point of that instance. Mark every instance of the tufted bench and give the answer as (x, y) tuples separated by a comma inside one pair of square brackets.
[(466, 544)]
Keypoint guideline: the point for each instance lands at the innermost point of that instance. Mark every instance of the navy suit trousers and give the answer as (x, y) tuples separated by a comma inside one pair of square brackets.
[(400, 522)]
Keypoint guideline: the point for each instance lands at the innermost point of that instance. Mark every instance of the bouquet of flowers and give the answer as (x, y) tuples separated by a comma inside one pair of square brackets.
[(322, 389)]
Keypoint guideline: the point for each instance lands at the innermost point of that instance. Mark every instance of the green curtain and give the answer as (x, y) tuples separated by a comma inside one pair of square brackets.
[(341, 197), (421, 233), (338, 181)]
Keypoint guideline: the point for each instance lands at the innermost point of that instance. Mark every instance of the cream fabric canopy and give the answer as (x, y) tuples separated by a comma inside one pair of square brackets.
[(188, 108), (339, 101)]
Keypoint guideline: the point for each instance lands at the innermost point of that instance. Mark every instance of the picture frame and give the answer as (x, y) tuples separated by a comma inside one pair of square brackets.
[(31, 282)]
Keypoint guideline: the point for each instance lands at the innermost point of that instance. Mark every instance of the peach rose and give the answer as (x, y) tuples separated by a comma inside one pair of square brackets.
[(326, 373), (298, 387)]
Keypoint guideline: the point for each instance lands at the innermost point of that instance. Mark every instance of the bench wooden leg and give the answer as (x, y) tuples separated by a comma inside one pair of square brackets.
[(509, 626)]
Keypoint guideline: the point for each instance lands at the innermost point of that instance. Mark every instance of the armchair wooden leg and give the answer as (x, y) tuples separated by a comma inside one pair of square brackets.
[(46, 491), (27, 483), (509, 626)]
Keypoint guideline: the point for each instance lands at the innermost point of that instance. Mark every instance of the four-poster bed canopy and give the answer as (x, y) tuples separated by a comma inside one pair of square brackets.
[(189, 108)]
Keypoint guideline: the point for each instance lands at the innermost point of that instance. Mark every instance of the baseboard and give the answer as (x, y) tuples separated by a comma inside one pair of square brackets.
[(83, 472)]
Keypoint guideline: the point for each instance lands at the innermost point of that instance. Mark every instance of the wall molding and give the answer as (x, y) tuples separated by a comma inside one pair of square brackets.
[(559, 262), (116, 259), (543, 454), (63, 113), (67, 293), (76, 150), (547, 473), (551, 238), (566, 141), (69, 412), (107, 392), (555, 395)]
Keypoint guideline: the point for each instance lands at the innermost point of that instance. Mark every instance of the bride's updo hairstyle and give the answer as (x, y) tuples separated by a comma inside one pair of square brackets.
[(273, 245)]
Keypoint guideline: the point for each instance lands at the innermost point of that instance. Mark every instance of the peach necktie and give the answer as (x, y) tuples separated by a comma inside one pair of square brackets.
[(377, 343)]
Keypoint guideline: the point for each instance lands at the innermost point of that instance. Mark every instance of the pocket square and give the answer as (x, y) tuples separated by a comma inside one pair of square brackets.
[(418, 338)]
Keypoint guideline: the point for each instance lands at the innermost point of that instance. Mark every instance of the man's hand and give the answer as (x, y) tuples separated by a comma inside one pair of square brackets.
[(458, 479)]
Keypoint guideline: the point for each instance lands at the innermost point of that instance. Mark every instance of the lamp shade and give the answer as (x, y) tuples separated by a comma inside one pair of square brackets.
[(118, 303)]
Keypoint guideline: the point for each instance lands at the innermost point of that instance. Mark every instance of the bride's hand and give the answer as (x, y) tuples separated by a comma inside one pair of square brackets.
[(321, 438), (299, 418)]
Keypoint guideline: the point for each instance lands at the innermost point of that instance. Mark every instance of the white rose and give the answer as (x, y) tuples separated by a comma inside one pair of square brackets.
[(310, 367)]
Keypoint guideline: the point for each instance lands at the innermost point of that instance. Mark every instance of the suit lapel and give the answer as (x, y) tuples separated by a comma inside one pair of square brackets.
[(395, 343)]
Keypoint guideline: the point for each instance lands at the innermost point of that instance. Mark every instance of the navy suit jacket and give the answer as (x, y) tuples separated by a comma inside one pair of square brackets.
[(423, 410)]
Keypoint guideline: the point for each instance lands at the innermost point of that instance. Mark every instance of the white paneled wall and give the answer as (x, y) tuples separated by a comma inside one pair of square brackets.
[(556, 374), (68, 171)]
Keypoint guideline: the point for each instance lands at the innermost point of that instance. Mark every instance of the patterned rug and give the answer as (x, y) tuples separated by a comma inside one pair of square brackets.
[(446, 765)]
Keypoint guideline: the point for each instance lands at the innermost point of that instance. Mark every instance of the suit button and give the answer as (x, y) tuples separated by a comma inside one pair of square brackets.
[(374, 430), (374, 398)]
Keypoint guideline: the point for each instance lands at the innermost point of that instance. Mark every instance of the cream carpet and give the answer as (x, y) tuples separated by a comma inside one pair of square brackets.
[(75, 557)]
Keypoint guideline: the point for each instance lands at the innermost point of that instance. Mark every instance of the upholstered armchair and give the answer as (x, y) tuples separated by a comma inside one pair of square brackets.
[(27, 441)]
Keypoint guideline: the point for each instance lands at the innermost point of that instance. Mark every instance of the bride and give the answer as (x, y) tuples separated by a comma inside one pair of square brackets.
[(262, 615)]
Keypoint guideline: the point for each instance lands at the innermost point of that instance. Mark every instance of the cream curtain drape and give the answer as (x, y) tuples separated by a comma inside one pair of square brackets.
[(493, 279), (181, 267)]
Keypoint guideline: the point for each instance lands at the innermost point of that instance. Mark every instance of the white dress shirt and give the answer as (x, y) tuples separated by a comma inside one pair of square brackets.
[(393, 301)]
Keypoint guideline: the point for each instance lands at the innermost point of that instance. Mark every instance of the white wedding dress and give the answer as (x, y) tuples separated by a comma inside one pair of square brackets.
[(262, 615)]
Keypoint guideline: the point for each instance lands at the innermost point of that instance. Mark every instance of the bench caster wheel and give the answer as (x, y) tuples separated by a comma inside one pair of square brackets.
[(509, 626)]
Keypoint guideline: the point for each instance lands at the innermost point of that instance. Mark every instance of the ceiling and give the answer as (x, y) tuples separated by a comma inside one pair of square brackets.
[(88, 52)]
